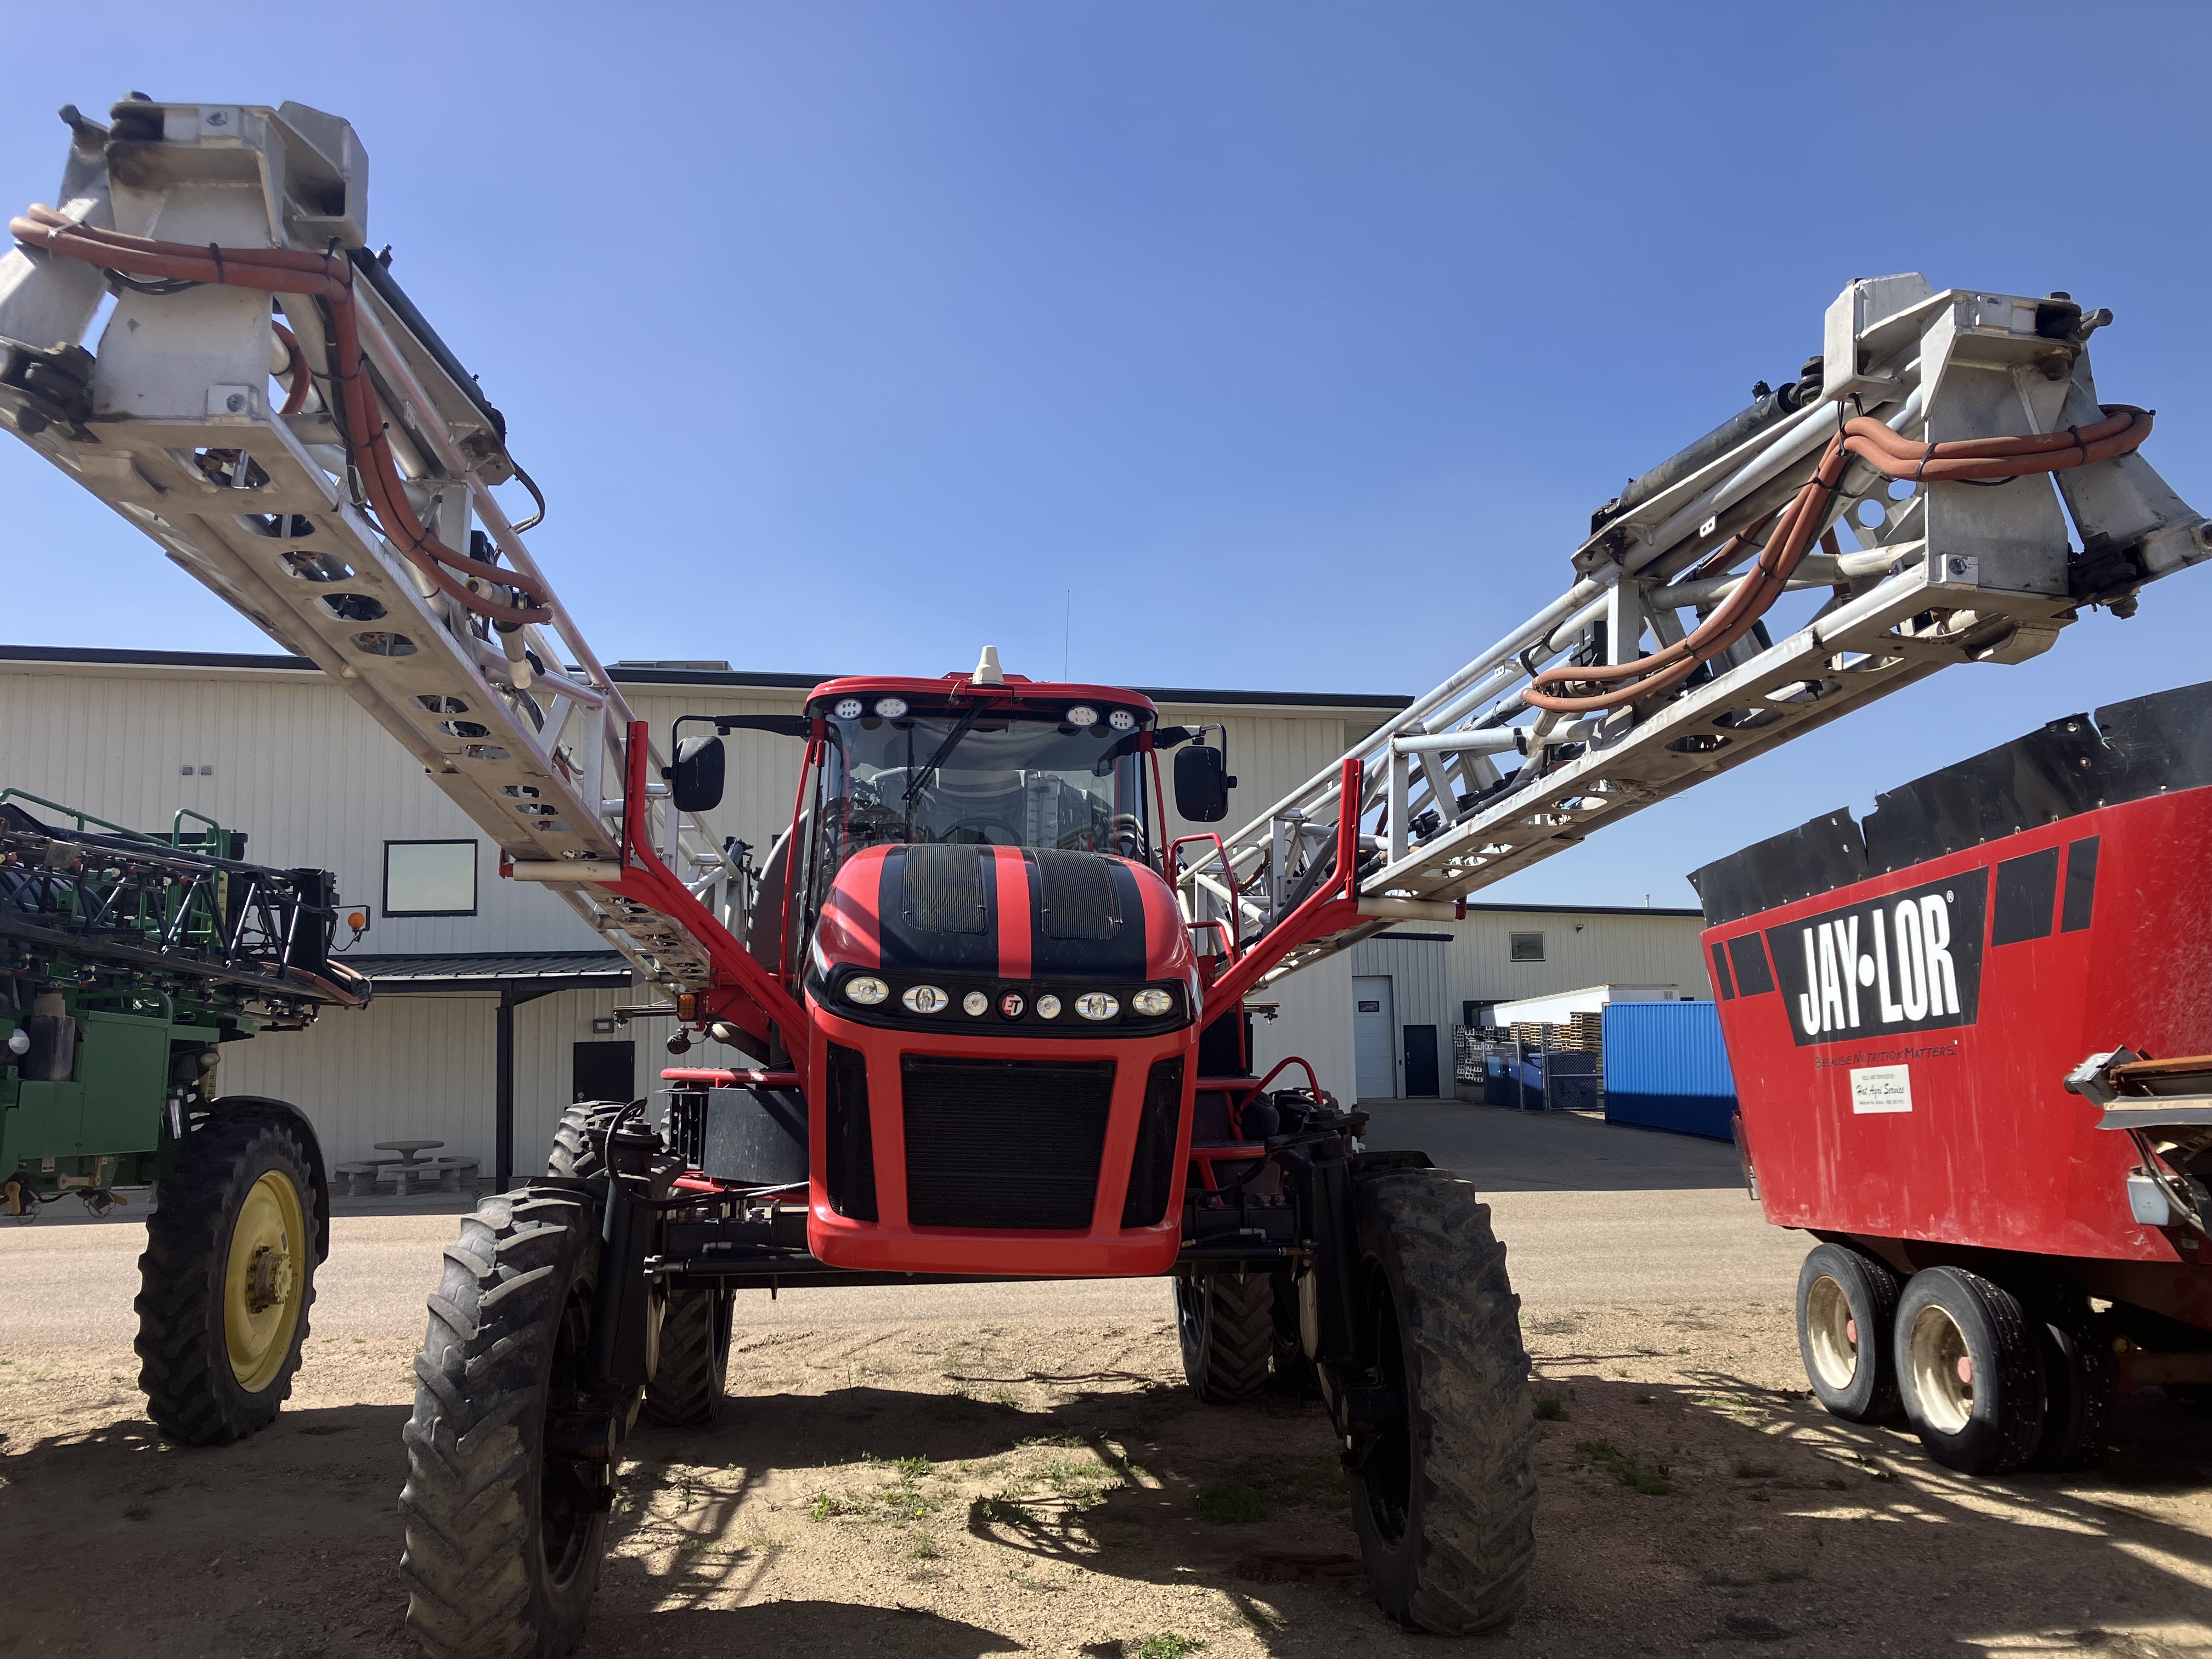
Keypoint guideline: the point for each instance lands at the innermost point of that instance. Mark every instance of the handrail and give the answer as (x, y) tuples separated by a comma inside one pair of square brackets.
[(82, 817), (177, 828)]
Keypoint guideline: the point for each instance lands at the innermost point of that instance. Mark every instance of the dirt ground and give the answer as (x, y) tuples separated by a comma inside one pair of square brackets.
[(961, 1488)]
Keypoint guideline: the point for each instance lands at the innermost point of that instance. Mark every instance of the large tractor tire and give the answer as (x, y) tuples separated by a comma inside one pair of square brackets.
[(510, 1466), (580, 1142), (694, 1362), (1444, 1500), (226, 1278), (1226, 1324)]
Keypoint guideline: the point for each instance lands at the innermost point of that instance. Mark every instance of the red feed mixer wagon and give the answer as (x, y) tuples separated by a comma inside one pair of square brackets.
[(1972, 1040)]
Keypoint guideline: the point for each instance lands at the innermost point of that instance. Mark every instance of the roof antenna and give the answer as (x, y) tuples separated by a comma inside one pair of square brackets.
[(988, 671)]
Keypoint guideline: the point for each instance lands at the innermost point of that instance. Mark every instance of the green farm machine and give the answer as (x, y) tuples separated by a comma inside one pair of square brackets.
[(127, 960)]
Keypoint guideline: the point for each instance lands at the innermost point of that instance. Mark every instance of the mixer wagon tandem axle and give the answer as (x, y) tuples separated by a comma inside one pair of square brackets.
[(986, 1011), (1942, 1023)]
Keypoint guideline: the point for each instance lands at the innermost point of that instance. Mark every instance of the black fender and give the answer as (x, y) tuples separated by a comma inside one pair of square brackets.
[(285, 1112)]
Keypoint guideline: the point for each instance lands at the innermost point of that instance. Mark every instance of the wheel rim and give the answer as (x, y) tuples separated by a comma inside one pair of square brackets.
[(1832, 1334), (1190, 1315), (570, 1493), (1386, 1473), (264, 1280), (1942, 1370)]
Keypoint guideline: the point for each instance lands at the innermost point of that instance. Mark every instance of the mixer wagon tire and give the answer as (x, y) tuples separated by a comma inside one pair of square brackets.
[(226, 1280), (2081, 1382), (1846, 1313), (510, 1466), (1969, 1371), (1443, 1497), (686, 1390), (1226, 1322)]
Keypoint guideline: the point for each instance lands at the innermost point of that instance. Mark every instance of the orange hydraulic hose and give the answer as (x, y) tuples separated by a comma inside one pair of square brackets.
[(2120, 432), (329, 277), (299, 380)]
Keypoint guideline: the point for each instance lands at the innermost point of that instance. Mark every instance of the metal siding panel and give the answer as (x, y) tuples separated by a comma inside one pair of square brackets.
[(313, 780), (1610, 949), (1666, 1067)]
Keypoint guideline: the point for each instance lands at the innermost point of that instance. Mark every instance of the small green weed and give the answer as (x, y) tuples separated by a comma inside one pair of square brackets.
[(925, 1548), (1004, 1509), (1169, 1644), (1231, 1504), (1551, 1408), (1626, 1467), (829, 1503)]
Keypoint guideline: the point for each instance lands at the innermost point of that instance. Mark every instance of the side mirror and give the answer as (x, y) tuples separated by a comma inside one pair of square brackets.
[(695, 780), (1201, 788)]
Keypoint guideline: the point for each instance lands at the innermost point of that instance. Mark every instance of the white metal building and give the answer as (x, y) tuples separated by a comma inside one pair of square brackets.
[(1413, 983), (268, 745), (492, 991)]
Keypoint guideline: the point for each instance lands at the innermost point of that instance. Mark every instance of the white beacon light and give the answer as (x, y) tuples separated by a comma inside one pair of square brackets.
[(1083, 715), (891, 708), (848, 709), (1122, 721)]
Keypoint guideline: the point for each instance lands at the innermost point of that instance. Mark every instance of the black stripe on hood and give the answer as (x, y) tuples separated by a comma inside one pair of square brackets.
[(1088, 919), (937, 909)]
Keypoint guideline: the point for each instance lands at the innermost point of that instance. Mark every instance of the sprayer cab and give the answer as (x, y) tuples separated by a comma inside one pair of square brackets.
[(1003, 1003)]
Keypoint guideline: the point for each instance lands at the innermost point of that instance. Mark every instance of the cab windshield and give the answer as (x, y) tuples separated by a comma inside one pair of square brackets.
[(986, 778)]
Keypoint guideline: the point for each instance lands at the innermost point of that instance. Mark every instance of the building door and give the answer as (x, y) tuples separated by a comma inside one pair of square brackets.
[(1374, 1032), (1420, 1062), (605, 1070)]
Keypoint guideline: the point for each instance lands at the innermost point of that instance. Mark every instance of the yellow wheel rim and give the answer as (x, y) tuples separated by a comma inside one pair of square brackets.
[(265, 1281)]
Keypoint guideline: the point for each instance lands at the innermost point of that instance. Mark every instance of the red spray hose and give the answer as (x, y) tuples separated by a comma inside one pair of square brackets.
[(2121, 432), (327, 278)]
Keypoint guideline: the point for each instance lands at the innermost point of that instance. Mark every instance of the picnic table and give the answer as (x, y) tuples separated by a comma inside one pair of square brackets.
[(408, 1172)]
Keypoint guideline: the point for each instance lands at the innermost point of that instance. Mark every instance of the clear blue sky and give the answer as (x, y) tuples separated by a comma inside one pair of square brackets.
[(1297, 341)]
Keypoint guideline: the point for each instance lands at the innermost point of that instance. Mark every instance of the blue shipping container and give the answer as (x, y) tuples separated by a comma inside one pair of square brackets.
[(1667, 1068)]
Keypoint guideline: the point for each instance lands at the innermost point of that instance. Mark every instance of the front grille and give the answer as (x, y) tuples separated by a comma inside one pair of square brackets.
[(850, 1148), (1004, 1143), (1152, 1172)]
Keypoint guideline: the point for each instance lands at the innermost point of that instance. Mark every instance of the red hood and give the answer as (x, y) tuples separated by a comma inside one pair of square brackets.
[(1004, 913)]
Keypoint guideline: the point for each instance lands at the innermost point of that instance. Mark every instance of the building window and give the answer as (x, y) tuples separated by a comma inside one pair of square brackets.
[(1528, 947), (429, 878)]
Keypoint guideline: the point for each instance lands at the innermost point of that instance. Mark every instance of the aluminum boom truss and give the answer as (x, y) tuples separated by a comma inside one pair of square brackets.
[(279, 501), (1950, 572), (176, 424)]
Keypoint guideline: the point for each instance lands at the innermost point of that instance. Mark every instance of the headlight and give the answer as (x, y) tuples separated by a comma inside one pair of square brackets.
[(866, 990), (891, 708), (1048, 1006), (1122, 721), (1096, 1004), (1083, 715), (974, 1004), (1152, 1001), (926, 999), (848, 709)]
